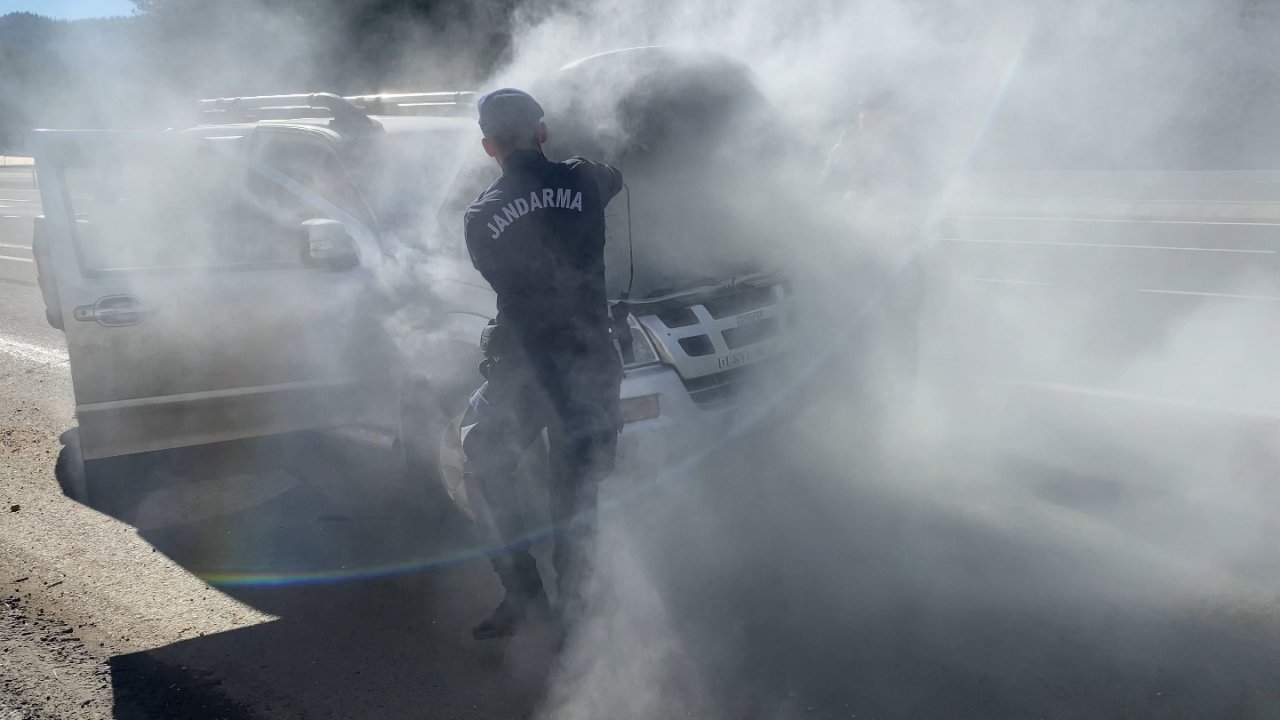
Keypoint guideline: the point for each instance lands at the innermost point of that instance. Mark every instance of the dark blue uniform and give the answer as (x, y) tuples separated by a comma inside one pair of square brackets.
[(537, 235)]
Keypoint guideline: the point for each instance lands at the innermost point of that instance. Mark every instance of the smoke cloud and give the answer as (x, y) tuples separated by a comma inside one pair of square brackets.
[(1073, 477), (1059, 514)]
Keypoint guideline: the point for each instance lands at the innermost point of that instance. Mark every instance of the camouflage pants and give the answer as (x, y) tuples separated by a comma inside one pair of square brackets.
[(575, 399)]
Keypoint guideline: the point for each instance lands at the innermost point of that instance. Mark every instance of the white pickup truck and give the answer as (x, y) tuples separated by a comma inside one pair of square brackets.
[(296, 262)]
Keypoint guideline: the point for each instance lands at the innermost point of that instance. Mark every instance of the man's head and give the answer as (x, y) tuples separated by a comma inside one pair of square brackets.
[(511, 120)]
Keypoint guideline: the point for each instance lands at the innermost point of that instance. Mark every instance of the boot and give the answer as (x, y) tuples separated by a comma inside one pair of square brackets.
[(514, 611)]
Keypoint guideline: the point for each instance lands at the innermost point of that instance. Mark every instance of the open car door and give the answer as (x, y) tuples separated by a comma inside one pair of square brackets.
[(202, 300)]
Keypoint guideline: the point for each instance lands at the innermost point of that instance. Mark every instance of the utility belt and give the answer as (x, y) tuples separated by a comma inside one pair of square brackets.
[(500, 343), (495, 344), (490, 339)]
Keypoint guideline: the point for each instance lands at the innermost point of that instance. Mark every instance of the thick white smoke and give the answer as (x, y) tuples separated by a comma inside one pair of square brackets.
[(1049, 509), (1046, 527)]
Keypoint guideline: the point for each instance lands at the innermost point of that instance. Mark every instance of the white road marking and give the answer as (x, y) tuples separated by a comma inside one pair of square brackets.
[(16, 200), (1229, 296), (27, 352), (1054, 243), (11, 246), (1151, 291), (1048, 218), (16, 259), (1004, 281), (1167, 201), (1089, 391)]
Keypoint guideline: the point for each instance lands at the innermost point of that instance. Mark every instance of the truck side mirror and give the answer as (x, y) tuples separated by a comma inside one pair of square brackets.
[(326, 244)]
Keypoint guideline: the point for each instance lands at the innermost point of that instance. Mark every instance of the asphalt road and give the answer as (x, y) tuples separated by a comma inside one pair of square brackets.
[(1117, 560), (19, 204)]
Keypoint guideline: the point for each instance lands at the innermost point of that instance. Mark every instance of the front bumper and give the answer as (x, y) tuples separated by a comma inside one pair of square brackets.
[(684, 430)]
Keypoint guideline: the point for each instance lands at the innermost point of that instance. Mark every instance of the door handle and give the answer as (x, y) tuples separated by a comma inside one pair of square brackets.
[(112, 311)]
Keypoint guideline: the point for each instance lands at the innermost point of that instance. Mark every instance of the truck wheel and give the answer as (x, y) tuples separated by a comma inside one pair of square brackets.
[(111, 486), (534, 470), (449, 467), (431, 445), (424, 423), (69, 468), (533, 473)]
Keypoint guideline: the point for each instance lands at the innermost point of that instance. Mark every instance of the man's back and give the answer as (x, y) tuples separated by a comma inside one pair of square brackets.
[(537, 235)]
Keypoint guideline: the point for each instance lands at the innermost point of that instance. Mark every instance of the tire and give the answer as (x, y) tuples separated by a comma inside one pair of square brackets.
[(111, 486), (69, 468), (441, 464), (532, 475), (449, 467), (426, 419)]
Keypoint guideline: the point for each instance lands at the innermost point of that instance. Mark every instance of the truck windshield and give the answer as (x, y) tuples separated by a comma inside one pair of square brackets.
[(404, 177)]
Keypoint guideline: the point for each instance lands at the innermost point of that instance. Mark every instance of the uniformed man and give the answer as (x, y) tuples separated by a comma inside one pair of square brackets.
[(537, 235)]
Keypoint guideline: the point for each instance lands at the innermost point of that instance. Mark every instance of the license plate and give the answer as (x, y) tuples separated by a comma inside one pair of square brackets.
[(746, 356)]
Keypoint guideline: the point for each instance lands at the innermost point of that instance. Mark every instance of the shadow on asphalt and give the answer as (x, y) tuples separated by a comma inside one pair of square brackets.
[(788, 588), (374, 594), (388, 649)]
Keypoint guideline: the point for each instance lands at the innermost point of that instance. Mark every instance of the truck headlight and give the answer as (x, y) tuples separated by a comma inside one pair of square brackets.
[(642, 351)]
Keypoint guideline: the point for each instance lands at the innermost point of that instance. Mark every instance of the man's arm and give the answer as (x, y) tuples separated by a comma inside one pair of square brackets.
[(607, 177), (480, 251)]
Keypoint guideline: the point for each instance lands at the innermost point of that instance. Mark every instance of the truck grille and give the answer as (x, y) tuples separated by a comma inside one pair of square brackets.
[(678, 318), (727, 386), (750, 334), (698, 346), (716, 342)]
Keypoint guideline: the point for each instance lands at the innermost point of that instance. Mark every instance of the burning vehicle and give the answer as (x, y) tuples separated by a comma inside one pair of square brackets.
[(296, 263)]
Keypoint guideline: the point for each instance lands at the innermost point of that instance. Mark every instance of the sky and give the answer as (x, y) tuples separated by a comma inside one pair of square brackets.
[(68, 9)]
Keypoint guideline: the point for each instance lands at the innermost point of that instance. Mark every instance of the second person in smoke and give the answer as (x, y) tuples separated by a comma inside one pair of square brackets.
[(537, 236)]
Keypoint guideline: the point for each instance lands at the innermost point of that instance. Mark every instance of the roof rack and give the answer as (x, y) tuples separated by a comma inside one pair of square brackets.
[(355, 109)]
